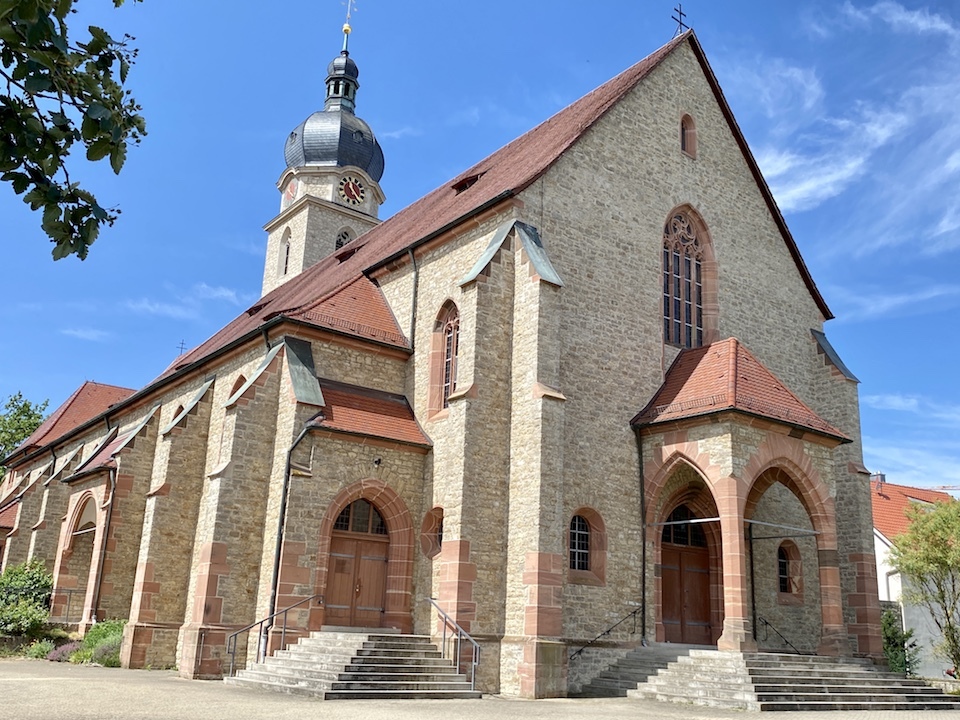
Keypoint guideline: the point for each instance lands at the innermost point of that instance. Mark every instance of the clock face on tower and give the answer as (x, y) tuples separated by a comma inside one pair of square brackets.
[(352, 189)]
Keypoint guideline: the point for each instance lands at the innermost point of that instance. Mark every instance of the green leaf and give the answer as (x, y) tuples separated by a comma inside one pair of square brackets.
[(89, 128), (118, 156), (99, 150), (97, 111), (37, 84)]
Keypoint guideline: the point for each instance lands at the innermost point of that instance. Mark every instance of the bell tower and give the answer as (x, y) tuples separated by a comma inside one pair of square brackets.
[(330, 191)]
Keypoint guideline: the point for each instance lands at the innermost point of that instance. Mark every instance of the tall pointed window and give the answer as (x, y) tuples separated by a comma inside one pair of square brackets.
[(451, 342), (682, 282), (444, 358), (688, 136)]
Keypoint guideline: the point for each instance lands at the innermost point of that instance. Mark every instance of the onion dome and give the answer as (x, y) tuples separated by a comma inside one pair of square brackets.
[(335, 136)]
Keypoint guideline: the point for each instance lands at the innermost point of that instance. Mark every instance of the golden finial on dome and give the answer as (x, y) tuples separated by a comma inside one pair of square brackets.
[(346, 26)]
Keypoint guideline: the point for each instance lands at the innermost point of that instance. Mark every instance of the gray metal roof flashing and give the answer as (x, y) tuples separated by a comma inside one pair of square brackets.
[(531, 243), (303, 375), (831, 355), (188, 407)]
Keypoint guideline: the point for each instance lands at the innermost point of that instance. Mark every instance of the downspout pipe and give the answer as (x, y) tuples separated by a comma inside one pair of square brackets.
[(416, 292), (309, 425), (643, 539), (103, 545)]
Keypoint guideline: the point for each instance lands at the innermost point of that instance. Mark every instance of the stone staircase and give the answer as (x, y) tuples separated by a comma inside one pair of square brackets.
[(335, 665), (771, 681), (632, 669)]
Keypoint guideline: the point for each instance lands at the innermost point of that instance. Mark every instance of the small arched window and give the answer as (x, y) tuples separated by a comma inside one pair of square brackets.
[(587, 548), (284, 254), (688, 136), (579, 543), (783, 569), (343, 237), (679, 531), (682, 282), (789, 572)]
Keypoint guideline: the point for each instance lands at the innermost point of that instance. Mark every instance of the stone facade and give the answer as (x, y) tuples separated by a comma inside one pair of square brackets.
[(234, 498)]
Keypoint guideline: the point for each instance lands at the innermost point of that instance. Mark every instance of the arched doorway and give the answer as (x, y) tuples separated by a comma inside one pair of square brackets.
[(685, 580), (359, 551)]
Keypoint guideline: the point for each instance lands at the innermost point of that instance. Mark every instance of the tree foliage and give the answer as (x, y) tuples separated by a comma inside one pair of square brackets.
[(17, 422), (928, 557), (55, 94)]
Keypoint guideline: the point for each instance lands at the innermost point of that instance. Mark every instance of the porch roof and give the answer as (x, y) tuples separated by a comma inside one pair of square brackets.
[(725, 376)]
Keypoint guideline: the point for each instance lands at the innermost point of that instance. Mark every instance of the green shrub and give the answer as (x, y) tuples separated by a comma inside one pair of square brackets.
[(80, 656), (103, 632), (899, 647), (24, 598), (107, 653), (39, 649), (22, 617)]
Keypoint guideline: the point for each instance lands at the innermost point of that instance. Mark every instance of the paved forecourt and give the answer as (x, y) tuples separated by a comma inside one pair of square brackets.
[(41, 690)]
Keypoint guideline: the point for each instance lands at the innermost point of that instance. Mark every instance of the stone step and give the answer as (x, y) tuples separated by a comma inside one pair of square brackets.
[(875, 706), (342, 665), (403, 695)]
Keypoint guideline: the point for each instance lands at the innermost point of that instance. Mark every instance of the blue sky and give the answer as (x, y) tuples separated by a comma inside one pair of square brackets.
[(849, 108)]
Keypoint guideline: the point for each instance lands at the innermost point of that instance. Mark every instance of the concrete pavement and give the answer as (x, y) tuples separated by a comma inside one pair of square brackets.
[(42, 690)]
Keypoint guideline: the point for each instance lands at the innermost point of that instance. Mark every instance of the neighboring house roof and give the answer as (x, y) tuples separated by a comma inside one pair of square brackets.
[(724, 376), (88, 401), (372, 413), (890, 504)]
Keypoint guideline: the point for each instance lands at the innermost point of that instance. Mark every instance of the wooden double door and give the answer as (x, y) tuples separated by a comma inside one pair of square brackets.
[(685, 596), (357, 586)]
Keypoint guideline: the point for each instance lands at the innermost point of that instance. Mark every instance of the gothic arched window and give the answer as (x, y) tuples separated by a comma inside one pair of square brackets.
[(682, 282), (449, 326)]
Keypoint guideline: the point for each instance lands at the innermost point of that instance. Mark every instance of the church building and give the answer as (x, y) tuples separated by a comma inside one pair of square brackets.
[(585, 380)]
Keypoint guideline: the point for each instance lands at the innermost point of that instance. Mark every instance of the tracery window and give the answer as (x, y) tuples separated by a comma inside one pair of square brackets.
[(579, 543), (682, 282)]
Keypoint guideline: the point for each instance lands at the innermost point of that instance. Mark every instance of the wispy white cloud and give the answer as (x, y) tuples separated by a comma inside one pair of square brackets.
[(922, 448), (904, 403), (189, 304), (85, 333), (400, 133), (162, 309), (900, 19), (202, 291), (859, 306)]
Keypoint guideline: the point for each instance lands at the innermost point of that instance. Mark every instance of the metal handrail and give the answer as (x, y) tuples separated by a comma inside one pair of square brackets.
[(632, 614), (767, 624), (261, 638), (460, 635)]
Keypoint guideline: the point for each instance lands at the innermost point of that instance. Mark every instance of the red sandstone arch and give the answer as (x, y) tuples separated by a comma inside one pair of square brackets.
[(698, 496), (782, 459), (399, 522)]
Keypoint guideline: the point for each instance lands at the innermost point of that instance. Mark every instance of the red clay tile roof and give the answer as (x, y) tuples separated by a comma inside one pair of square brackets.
[(506, 172), (725, 376), (88, 401), (890, 503), (7, 518), (362, 411)]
